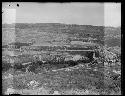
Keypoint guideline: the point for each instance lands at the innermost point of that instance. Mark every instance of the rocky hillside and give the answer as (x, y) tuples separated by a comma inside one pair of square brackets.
[(57, 33)]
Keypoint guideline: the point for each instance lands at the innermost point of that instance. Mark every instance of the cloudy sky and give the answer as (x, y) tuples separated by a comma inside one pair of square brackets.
[(108, 14)]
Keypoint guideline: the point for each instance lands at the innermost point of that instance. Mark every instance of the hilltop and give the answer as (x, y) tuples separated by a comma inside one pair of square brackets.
[(61, 33)]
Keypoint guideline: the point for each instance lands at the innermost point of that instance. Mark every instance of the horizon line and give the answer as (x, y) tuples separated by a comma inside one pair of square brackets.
[(60, 23)]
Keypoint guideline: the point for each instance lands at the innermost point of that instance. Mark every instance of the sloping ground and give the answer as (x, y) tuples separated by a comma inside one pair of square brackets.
[(74, 78), (113, 37), (112, 42), (50, 31)]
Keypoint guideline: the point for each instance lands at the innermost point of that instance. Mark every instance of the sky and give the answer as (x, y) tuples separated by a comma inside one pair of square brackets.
[(97, 14)]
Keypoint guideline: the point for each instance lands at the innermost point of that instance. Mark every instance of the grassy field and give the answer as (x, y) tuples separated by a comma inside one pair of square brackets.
[(80, 79)]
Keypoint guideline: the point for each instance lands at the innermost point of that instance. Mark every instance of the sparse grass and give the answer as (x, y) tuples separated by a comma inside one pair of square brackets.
[(75, 81), (81, 79)]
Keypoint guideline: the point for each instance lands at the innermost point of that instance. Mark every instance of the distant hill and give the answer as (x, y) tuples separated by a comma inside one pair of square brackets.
[(113, 36), (49, 32), (112, 42), (63, 27), (112, 31)]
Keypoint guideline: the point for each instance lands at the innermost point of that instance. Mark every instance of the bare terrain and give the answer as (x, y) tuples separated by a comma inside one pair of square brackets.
[(63, 59)]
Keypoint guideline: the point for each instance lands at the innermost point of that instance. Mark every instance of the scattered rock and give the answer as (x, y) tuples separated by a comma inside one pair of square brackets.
[(33, 84), (10, 91)]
